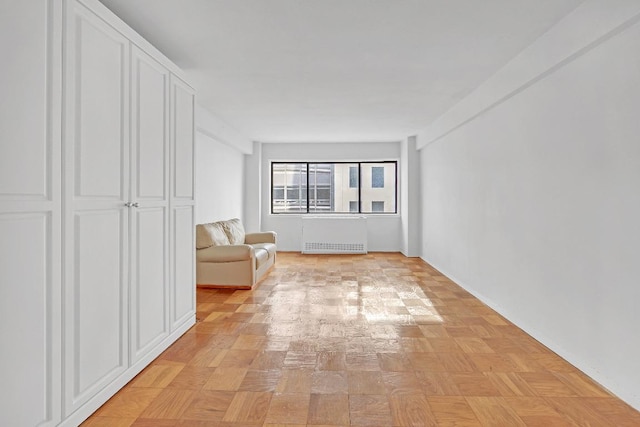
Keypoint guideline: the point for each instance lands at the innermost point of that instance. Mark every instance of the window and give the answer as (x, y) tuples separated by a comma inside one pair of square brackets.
[(377, 177), (377, 206), (349, 187), (353, 177)]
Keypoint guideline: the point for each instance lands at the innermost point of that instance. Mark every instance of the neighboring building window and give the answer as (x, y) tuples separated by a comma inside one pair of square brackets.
[(349, 187), (377, 206), (353, 177), (377, 177)]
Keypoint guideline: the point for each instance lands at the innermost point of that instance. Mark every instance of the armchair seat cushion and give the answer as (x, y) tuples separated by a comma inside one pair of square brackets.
[(226, 256)]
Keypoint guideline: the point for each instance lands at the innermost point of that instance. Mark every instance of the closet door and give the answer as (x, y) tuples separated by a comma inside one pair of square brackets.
[(149, 286), (96, 221), (30, 221), (182, 203)]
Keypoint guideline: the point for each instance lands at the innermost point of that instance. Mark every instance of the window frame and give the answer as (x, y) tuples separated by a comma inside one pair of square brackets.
[(359, 187)]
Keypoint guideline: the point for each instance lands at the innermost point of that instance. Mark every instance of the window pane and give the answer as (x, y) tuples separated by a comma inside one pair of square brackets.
[(353, 177), (329, 189), (353, 206), (323, 193), (278, 193), (289, 187), (378, 187), (320, 178), (377, 177), (293, 193), (342, 191), (377, 206)]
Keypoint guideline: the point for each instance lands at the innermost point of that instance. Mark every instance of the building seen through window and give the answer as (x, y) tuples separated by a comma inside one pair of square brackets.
[(310, 187)]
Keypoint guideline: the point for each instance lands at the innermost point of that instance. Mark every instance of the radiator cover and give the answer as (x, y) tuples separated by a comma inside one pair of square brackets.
[(334, 235)]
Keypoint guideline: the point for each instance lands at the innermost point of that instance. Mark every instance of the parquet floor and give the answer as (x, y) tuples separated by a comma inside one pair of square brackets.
[(363, 340)]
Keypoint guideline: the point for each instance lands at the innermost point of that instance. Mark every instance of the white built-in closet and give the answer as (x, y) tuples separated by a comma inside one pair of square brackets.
[(96, 208)]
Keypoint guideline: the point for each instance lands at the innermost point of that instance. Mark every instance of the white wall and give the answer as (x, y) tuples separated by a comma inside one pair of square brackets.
[(252, 195), (220, 171), (384, 231), (410, 197), (532, 202)]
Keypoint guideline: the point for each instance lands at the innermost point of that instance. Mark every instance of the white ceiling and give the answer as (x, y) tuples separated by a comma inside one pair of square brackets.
[(337, 70)]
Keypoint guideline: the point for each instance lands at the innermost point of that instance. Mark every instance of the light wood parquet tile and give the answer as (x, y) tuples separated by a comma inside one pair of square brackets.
[(157, 376), (411, 409), (546, 384), (437, 384), (378, 339), (475, 384), (329, 409), (169, 404), (208, 405), (578, 411), (295, 381), (331, 361), (129, 402), (494, 411), (329, 382), (452, 411), (268, 359), (228, 379), (365, 382), (248, 407), (401, 382), (289, 408), (369, 410), (510, 384), (261, 380)]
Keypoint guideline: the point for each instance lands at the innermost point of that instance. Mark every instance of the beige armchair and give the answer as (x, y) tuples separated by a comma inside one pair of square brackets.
[(227, 257)]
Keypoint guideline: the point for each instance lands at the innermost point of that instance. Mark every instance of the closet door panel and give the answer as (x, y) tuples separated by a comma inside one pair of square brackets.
[(23, 120), (149, 291), (150, 90), (183, 275), (96, 179), (98, 319), (25, 304), (183, 128), (100, 92)]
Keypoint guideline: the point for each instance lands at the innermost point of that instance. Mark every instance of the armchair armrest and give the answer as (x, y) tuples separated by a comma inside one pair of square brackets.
[(263, 237), (225, 253)]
